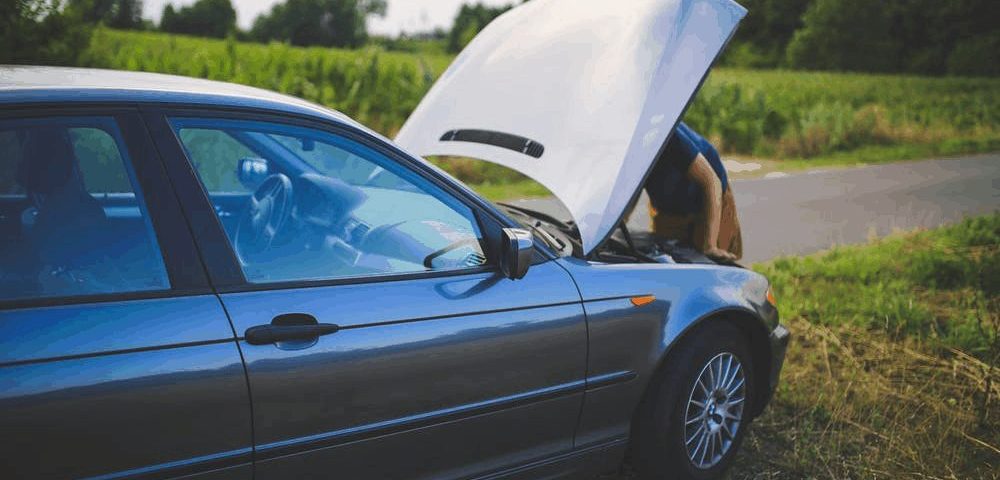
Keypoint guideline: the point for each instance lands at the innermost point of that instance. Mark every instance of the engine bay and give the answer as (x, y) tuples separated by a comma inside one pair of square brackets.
[(624, 246)]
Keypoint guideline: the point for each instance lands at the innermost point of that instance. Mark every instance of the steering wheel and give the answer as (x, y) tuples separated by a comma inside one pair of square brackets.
[(268, 210)]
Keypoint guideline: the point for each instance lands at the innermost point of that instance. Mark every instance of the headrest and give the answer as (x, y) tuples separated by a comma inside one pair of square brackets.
[(48, 162)]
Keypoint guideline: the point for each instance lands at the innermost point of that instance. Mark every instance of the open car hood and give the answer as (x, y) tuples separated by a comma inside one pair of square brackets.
[(579, 95)]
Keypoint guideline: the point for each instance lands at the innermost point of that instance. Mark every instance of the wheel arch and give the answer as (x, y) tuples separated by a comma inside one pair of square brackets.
[(748, 322)]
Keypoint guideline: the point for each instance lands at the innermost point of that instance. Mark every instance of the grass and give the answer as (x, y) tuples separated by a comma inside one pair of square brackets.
[(924, 287), (801, 119), (499, 192), (894, 368), (876, 154), (806, 115), (376, 87)]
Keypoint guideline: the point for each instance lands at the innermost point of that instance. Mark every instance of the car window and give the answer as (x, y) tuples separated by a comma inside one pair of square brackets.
[(10, 155), (215, 155), (101, 165), (339, 163), (320, 206), (70, 220)]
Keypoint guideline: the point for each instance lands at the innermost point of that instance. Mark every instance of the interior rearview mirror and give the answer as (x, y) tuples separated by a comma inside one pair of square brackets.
[(252, 172), (516, 252)]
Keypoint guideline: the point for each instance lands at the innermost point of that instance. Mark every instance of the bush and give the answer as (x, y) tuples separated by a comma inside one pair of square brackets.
[(737, 119), (210, 18), (976, 56), (852, 35), (929, 37), (331, 23), (40, 32), (826, 128), (941, 269)]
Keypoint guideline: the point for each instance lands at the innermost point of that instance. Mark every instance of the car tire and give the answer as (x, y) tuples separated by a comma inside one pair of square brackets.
[(666, 436)]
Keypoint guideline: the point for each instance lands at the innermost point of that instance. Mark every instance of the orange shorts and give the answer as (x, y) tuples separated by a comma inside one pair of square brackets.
[(689, 227)]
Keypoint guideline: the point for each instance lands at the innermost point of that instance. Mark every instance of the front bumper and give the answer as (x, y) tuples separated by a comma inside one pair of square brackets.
[(778, 340)]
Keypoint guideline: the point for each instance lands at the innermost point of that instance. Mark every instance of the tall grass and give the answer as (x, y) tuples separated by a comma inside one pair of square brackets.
[(825, 117), (376, 87), (894, 367), (784, 114)]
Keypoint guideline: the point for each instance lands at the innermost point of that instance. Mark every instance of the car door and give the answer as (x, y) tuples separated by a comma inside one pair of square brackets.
[(115, 357), (418, 358)]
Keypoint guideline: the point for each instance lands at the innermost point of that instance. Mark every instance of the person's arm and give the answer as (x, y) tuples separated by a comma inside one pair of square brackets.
[(701, 173)]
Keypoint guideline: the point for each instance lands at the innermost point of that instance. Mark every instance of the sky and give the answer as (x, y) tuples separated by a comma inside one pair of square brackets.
[(409, 16)]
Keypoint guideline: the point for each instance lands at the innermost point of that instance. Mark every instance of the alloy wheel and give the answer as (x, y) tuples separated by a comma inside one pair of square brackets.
[(714, 411)]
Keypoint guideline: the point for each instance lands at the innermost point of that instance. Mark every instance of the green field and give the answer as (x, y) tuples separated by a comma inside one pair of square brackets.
[(844, 117), (894, 366), (799, 118), (377, 88)]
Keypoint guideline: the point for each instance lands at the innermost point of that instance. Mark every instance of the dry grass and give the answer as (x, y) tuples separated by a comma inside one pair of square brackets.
[(894, 366), (894, 371), (858, 404)]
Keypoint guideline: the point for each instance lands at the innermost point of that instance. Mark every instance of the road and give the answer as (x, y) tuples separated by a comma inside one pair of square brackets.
[(811, 211)]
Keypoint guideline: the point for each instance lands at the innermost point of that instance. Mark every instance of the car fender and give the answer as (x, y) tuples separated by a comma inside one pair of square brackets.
[(755, 319), (630, 343)]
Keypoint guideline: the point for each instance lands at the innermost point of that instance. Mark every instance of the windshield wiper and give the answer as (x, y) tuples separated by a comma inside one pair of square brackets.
[(537, 226), (539, 215)]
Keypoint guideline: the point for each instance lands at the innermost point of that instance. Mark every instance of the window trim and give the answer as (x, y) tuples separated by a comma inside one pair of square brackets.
[(173, 238), (223, 267)]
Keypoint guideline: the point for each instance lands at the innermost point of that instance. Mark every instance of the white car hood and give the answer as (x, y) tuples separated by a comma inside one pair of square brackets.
[(579, 95)]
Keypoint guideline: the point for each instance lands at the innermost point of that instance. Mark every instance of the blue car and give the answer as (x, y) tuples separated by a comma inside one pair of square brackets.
[(205, 280)]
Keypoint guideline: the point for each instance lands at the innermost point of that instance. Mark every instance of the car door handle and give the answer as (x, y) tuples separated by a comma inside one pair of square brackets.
[(265, 334), (293, 326)]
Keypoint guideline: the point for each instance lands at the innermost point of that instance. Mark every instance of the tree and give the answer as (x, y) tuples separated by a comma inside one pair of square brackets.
[(764, 34), (957, 36), (916, 36), (206, 18), (113, 13), (40, 32), (471, 19), (337, 23), (854, 35)]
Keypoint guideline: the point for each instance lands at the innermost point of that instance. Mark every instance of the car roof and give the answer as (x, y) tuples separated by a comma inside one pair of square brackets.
[(35, 85)]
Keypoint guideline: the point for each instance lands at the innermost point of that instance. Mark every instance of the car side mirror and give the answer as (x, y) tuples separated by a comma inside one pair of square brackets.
[(517, 249), (252, 172)]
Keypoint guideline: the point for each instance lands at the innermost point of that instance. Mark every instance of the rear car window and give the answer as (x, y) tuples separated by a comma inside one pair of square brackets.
[(72, 221)]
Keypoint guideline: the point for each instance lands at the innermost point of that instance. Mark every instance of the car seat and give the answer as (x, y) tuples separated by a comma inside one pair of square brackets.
[(68, 223)]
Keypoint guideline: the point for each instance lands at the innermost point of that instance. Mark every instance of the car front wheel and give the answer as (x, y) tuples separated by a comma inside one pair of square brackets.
[(696, 412)]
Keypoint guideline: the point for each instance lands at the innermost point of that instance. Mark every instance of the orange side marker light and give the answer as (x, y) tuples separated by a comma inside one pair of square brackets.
[(642, 300)]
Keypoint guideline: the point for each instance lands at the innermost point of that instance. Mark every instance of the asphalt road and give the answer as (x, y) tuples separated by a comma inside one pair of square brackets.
[(807, 212)]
